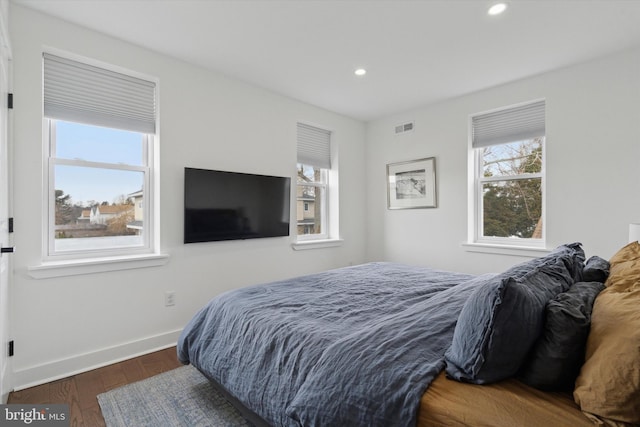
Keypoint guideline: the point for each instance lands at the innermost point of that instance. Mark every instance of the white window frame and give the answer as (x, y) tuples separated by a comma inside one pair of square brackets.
[(476, 219), (148, 200), (480, 180), (325, 208), (330, 237), (69, 263)]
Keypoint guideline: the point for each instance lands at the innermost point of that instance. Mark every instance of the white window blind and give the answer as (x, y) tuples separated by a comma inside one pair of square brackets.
[(509, 125), (79, 92), (314, 146)]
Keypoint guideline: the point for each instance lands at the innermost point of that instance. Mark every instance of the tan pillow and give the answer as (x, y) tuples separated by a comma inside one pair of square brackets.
[(609, 382), (625, 268)]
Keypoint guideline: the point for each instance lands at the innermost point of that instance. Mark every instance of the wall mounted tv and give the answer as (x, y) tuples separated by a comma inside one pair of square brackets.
[(221, 205)]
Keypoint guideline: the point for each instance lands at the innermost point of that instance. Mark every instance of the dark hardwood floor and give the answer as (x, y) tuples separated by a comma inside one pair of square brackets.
[(80, 391)]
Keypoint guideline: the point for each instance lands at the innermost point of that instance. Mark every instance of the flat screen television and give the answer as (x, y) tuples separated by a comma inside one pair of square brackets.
[(221, 205)]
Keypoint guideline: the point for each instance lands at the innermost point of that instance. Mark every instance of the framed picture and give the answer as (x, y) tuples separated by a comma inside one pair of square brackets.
[(412, 184)]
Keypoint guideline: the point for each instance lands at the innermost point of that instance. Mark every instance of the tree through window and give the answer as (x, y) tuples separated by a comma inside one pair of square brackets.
[(508, 146), (512, 190)]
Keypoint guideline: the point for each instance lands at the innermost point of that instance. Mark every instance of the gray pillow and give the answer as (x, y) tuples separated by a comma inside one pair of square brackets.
[(596, 269), (504, 316), (555, 361)]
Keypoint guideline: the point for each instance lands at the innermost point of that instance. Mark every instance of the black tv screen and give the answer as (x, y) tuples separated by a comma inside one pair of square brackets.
[(221, 205)]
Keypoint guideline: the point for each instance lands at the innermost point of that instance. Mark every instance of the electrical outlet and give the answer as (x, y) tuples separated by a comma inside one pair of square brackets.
[(169, 298)]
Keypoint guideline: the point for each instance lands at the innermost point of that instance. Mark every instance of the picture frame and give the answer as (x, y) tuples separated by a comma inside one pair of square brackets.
[(412, 184)]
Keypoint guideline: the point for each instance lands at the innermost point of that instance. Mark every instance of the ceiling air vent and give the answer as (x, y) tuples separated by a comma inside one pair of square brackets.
[(404, 127)]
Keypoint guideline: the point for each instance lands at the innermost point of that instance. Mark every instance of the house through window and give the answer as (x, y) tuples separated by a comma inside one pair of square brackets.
[(314, 165), (311, 191), (100, 135)]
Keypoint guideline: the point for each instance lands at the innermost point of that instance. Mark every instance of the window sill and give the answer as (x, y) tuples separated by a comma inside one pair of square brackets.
[(488, 248), (316, 244), (75, 267)]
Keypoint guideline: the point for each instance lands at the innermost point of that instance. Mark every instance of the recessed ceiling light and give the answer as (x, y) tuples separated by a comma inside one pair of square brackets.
[(360, 72), (497, 8)]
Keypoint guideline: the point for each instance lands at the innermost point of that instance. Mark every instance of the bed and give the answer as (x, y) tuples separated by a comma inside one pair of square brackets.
[(385, 344)]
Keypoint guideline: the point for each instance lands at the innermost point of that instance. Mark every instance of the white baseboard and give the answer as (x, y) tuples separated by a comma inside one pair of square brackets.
[(62, 368)]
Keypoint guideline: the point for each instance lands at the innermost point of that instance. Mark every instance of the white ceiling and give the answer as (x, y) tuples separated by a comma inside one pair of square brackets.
[(416, 52)]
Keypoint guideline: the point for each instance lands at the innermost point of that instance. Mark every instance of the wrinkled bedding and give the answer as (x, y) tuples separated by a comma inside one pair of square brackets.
[(352, 346)]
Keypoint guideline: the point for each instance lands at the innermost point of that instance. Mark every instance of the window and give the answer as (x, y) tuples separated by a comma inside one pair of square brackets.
[(100, 138), (313, 171), (508, 151)]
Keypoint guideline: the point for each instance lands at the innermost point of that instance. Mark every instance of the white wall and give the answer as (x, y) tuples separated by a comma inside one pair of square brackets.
[(68, 324), (593, 178)]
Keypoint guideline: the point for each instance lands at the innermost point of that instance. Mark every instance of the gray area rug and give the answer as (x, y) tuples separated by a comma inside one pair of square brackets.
[(181, 397)]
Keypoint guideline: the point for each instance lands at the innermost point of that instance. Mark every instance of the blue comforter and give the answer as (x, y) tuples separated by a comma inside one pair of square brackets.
[(355, 346)]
